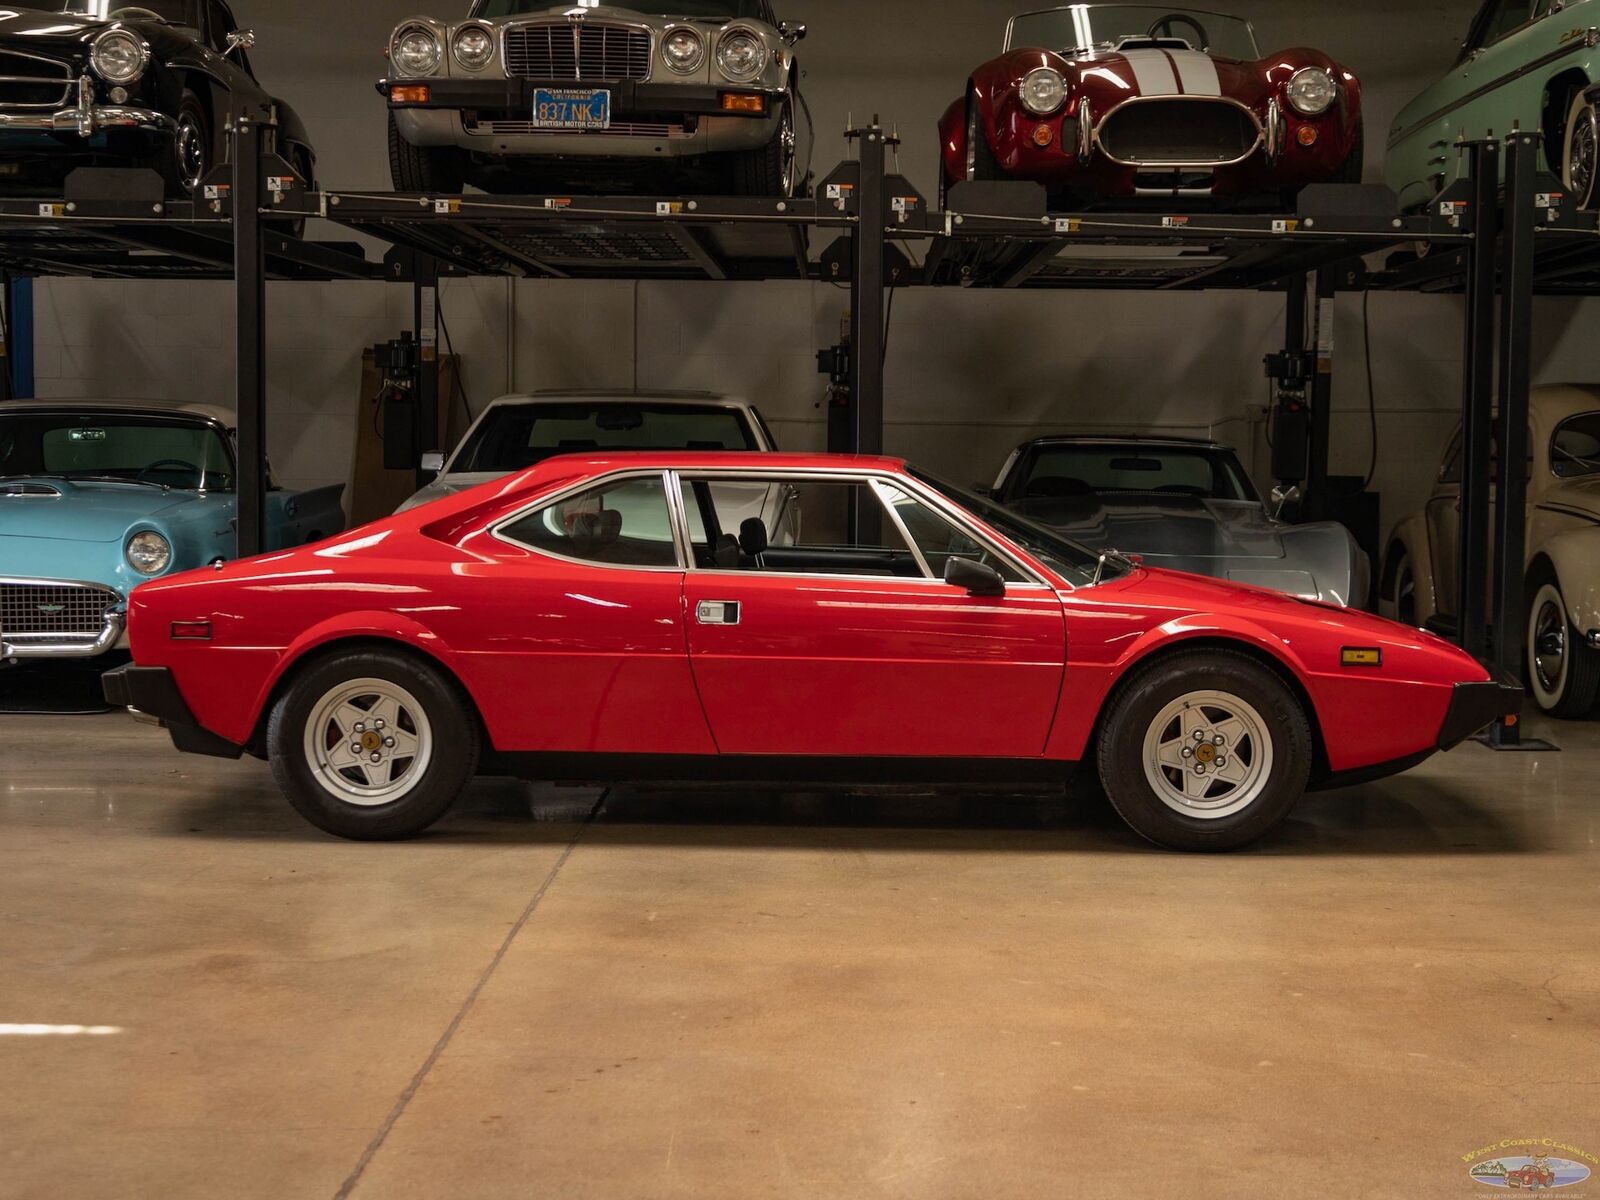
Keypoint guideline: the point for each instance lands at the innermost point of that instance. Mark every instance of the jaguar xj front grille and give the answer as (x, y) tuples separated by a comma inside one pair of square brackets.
[(54, 610), (29, 81), (586, 51), (1185, 131)]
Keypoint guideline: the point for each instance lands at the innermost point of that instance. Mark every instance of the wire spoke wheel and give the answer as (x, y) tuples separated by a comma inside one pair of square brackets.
[(368, 742), (1208, 755)]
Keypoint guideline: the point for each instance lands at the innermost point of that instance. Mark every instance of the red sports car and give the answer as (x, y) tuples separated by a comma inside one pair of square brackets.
[(1124, 102), (622, 617)]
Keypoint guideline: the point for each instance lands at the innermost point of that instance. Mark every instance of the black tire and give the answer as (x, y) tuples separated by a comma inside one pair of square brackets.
[(430, 169), (1563, 671), (981, 162), (1580, 151), (189, 159), (1402, 595), (451, 737), (770, 169), (1271, 785), (1354, 167)]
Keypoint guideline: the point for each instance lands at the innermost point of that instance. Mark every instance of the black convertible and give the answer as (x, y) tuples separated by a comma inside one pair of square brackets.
[(99, 83)]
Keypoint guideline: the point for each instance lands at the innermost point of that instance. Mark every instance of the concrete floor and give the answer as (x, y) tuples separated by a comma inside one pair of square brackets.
[(564, 994)]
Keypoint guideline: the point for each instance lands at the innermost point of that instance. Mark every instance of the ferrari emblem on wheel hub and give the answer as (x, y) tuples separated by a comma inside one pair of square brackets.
[(1206, 754)]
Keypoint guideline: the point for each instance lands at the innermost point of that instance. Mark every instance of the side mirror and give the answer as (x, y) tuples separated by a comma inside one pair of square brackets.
[(1284, 496), (973, 577), (433, 462), (792, 32), (240, 39)]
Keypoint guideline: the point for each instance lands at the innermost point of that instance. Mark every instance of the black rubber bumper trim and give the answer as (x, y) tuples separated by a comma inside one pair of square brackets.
[(1476, 705), (628, 99), (154, 692)]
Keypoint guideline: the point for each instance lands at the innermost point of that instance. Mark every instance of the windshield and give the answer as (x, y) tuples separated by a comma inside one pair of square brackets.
[(173, 12), (1086, 28), (720, 9), (1077, 564), (113, 448), (516, 436), (1132, 469)]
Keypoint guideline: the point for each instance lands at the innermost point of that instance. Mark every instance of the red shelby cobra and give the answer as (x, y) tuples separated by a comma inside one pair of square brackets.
[(1119, 102), (626, 617)]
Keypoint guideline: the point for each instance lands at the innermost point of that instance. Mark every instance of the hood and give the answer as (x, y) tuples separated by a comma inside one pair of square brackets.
[(21, 27), (83, 512), (1158, 527), (449, 485)]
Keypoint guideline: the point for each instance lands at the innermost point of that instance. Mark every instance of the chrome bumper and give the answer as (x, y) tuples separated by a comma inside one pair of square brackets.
[(22, 646), (87, 118)]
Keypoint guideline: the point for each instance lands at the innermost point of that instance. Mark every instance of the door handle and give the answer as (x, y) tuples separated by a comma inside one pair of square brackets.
[(717, 612)]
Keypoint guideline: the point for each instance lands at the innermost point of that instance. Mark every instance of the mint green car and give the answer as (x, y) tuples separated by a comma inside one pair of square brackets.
[(1528, 64)]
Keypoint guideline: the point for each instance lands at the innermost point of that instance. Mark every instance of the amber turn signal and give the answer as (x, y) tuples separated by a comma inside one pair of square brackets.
[(1358, 656), (745, 102), (410, 93), (1307, 135), (1042, 136)]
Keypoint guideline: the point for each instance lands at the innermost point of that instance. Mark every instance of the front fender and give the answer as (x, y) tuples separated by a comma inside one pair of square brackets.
[(953, 141), (1575, 557)]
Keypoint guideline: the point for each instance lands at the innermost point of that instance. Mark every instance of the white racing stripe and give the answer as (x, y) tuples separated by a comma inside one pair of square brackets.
[(1152, 71), (1197, 73)]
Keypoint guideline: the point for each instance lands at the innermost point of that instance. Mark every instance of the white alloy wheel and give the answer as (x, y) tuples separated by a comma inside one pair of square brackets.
[(1548, 656), (368, 742), (1208, 755)]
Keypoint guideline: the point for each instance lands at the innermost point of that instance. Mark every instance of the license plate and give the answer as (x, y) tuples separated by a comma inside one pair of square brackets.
[(572, 108)]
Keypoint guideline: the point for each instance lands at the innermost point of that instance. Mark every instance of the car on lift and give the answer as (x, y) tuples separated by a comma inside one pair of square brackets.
[(98, 83), (1420, 578), (528, 93), (1531, 64), (908, 632), (97, 497), (1109, 105), (1182, 504)]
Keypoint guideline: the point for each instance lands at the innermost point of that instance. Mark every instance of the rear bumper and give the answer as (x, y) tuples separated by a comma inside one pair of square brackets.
[(1477, 705), (153, 692)]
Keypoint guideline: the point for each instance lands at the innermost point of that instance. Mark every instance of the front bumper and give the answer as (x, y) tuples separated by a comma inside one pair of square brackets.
[(1478, 705), (86, 118), (25, 647), (151, 692), (629, 98)]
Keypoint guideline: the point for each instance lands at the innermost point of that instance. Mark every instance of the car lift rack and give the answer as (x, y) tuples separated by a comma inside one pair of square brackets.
[(873, 231)]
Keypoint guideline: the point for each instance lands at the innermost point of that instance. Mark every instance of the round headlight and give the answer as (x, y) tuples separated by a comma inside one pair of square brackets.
[(149, 553), (417, 51), (118, 56), (1312, 91), (742, 56), (1043, 91), (474, 47), (684, 51)]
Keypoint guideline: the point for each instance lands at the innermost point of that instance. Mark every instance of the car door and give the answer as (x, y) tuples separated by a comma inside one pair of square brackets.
[(833, 638), (577, 630), (1444, 526)]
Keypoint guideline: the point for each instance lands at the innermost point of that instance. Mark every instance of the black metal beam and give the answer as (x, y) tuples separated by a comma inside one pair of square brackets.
[(1477, 400), (867, 297), (692, 244), (425, 319), (250, 299), (1318, 501)]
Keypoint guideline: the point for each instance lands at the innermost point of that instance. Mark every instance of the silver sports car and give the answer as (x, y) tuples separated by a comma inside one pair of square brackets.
[(1180, 504)]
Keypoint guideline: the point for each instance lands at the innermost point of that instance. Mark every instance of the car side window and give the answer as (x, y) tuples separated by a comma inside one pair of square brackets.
[(1504, 17), (796, 527), (1575, 447), (940, 539), (624, 523)]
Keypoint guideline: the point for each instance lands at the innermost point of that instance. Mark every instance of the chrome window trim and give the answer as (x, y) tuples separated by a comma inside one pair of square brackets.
[(594, 483), (1550, 455), (881, 490)]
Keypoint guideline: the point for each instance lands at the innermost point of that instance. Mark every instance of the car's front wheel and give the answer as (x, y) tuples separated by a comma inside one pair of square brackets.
[(771, 169), (372, 745), (1563, 672), (1205, 750), (1580, 157), (430, 169)]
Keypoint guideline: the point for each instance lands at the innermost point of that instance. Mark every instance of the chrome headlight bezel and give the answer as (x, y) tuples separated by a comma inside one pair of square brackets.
[(148, 552), (753, 70), (1312, 91), (135, 65), (471, 62), (1043, 91), (687, 66), (433, 59)]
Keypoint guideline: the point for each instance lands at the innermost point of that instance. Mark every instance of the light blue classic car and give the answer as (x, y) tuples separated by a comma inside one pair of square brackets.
[(96, 497)]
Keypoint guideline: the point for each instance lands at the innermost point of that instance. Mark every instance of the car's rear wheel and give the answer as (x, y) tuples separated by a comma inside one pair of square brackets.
[(1205, 750), (432, 169), (372, 745), (1563, 672), (1580, 157), (981, 162)]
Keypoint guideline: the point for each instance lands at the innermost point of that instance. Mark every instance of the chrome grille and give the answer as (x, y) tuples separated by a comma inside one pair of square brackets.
[(1183, 131), (72, 610), (577, 51), (29, 81)]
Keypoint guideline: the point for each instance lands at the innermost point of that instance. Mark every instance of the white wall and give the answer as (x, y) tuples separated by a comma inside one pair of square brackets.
[(969, 374)]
